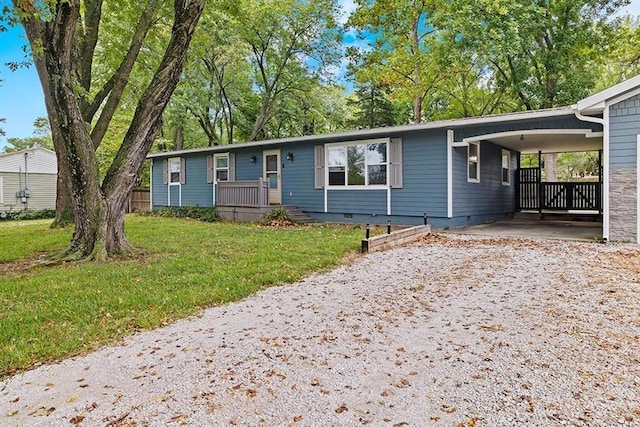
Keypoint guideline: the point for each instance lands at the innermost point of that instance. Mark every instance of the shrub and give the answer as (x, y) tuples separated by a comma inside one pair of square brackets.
[(27, 215), (190, 212), (277, 217)]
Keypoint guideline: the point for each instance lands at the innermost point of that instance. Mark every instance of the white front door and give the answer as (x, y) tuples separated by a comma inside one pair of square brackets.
[(271, 162)]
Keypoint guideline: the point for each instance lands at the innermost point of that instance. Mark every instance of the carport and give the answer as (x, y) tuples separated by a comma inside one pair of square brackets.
[(559, 210)]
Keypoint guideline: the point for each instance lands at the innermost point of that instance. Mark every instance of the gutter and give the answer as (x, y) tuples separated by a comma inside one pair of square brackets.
[(604, 121)]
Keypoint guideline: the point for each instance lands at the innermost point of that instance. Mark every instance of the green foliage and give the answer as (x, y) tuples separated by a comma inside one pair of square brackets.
[(41, 137), (190, 212), (55, 312), (23, 215), (540, 53), (277, 216), (374, 108)]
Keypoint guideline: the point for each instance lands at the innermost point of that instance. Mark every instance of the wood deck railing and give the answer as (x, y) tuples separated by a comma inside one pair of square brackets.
[(242, 193)]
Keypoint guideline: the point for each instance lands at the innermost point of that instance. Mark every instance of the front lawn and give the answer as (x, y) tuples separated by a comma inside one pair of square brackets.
[(49, 313)]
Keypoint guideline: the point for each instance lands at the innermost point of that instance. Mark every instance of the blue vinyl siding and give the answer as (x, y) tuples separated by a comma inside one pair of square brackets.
[(357, 201), (424, 166), (298, 187), (196, 191), (159, 195), (245, 170), (489, 196), (624, 127)]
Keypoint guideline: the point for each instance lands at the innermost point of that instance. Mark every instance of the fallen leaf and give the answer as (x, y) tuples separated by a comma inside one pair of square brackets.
[(297, 418), (71, 399), (449, 409), (77, 419), (340, 409), (15, 400), (251, 393), (492, 328), (12, 414)]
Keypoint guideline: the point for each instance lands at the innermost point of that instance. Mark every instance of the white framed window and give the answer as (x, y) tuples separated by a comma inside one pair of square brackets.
[(221, 164), (473, 162), (358, 164), (175, 169), (506, 167)]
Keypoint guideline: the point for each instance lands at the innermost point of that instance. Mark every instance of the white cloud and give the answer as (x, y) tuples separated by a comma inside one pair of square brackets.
[(632, 9), (347, 6)]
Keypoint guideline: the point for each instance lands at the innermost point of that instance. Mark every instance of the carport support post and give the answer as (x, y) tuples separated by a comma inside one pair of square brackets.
[(540, 182)]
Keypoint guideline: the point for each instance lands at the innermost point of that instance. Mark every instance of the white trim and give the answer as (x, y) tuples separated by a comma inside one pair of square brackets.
[(450, 139), (174, 184), (1, 190), (358, 187), (380, 132), (365, 142), (388, 200), (458, 144), (638, 189), (215, 166), (508, 181), (588, 133), (599, 100), (624, 97), (477, 177), (150, 185), (605, 173), (274, 193)]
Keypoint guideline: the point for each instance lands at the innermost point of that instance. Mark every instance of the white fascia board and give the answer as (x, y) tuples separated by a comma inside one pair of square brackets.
[(588, 133), (381, 132), (597, 101)]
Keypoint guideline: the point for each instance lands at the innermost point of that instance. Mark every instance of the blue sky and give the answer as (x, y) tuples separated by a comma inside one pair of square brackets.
[(21, 100)]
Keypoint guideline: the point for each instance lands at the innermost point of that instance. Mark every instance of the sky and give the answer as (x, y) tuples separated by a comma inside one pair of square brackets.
[(21, 100)]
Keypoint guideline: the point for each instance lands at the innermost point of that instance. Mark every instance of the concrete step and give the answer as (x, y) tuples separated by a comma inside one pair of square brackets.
[(298, 215)]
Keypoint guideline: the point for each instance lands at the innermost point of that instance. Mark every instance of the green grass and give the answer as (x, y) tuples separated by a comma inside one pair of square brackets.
[(49, 313)]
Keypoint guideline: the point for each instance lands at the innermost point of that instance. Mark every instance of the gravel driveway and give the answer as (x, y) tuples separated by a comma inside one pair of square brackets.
[(451, 330)]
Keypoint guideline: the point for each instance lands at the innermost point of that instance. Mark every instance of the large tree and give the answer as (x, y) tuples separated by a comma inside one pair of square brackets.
[(543, 53), (65, 37), (401, 53)]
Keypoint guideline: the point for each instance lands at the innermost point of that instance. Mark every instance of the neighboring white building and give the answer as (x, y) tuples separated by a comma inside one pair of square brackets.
[(28, 180)]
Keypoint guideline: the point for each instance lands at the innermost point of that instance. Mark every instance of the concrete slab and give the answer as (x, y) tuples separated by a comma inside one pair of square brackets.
[(540, 229)]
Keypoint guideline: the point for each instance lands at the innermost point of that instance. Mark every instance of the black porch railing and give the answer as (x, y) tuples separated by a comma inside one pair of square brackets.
[(562, 196)]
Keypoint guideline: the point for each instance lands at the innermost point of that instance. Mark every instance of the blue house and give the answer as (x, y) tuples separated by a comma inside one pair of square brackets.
[(456, 172)]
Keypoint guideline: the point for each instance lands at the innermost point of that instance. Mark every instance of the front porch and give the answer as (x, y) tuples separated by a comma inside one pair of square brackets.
[(248, 201)]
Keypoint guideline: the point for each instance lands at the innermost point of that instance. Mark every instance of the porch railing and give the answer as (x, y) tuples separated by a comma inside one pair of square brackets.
[(571, 195), (242, 193)]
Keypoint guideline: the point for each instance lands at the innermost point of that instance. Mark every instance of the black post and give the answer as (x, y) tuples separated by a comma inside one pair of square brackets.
[(424, 217), (540, 195), (367, 232), (388, 226)]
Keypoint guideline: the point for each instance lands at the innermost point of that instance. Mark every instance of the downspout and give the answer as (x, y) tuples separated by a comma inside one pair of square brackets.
[(604, 121)]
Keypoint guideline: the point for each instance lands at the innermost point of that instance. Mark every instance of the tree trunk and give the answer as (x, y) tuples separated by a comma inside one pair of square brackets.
[(99, 210)]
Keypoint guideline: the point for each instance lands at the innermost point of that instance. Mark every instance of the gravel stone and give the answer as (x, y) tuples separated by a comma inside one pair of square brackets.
[(448, 330)]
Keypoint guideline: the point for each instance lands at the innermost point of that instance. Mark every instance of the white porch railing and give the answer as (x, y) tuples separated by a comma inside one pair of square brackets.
[(242, 193)]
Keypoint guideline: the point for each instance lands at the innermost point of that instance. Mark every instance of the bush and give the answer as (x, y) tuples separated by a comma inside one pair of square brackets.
[(190, 212), (27, 215), (277, 217)]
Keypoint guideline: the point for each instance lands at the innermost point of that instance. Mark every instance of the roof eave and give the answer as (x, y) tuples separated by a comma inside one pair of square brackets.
[(365, 133)]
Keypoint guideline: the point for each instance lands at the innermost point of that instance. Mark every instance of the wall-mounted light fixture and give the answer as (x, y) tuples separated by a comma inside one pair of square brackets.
[(290, 156), (253, 158)]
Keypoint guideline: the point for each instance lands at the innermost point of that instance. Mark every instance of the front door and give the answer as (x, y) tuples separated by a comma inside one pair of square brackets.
[(271, 162)]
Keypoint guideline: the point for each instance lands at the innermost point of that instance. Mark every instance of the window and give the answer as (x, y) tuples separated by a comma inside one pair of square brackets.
[(506, 167), (222, 167), (174, 170), (473, 161), (357, 164)]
